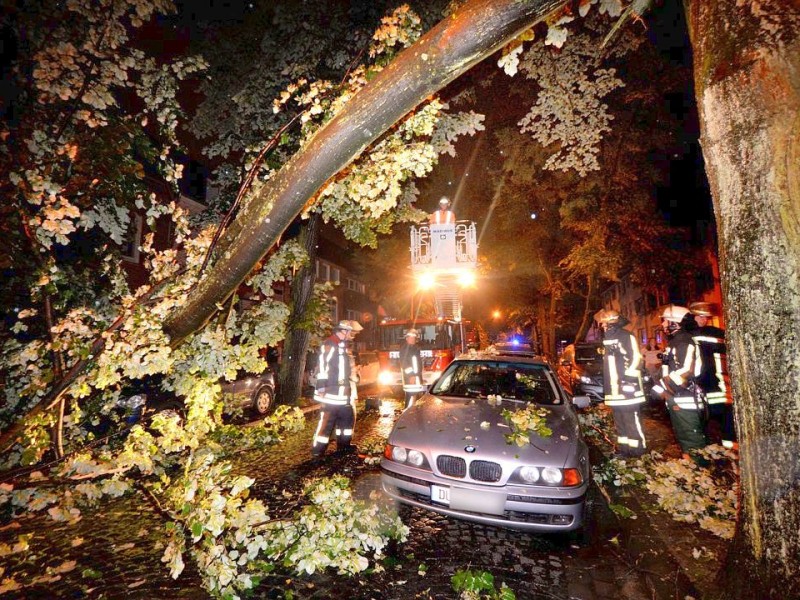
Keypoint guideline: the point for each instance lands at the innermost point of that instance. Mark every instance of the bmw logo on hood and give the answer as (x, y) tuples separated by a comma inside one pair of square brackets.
[(470, 449)]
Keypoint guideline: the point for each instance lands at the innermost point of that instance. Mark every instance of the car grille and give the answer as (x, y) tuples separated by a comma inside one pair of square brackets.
[(481, 470), (452, 466)]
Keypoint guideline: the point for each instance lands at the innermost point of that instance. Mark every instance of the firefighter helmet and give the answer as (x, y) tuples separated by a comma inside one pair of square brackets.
[(674, 314), (444, 201), (344, 326), (355, 326), (609, 317), (701, 309), (412, 333)]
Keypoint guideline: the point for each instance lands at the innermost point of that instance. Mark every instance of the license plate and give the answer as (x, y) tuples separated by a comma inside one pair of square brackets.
[(470, 500), (440, 494)]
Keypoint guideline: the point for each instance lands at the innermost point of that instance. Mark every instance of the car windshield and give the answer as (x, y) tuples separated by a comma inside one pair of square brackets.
[(585, 354), (509, 380)]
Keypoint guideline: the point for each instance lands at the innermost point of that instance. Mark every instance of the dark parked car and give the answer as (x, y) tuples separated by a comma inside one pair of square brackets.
[(580, 370), (449, 452), (248, 392)]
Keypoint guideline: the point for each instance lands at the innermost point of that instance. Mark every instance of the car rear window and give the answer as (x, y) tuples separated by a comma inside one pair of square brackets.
[(589, 354), (510, 380)]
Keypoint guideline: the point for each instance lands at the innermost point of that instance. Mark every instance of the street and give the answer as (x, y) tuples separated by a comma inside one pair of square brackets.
[(114, 550)]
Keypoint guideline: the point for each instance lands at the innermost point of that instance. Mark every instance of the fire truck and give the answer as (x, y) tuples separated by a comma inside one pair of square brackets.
[(444, 257), (439, 341)]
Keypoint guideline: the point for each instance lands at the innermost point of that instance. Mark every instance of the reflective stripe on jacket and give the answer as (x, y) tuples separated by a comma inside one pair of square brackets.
[(333, 378), (411, 368), (711, 365), (622, 385)]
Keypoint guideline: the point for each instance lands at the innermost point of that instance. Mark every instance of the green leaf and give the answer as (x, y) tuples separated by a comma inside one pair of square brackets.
[(91, 574), (197, 529), (622, 511)]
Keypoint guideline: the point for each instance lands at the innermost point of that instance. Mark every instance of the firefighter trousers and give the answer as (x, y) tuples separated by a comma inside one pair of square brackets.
[(337, 419), (722, 414), (630, 433), (687, 425)]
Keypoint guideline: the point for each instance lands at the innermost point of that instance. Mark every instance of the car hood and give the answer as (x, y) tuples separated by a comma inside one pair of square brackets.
[(447, 425)]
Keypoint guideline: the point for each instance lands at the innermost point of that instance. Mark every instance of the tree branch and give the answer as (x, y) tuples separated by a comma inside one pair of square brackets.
[(473, 32)]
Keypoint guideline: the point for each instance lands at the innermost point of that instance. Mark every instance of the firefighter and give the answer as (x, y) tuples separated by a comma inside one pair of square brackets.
[(711, 371), (355, 376), (411, 368), (622, 382), (676, 385), (334, 392), (443, 216)]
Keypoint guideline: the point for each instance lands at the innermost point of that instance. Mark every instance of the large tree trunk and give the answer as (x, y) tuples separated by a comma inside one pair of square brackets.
[(474, 32), (293, 362), (747, 75)]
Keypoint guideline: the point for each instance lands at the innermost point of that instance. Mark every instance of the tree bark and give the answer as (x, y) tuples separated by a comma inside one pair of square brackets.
[(747, 78), (293, 362), (586, 319), (472, 33)]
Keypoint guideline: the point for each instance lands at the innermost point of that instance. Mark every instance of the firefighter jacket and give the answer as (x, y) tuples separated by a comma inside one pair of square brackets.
[(442, 217), (711, 365), (678, 369), (411, 368), (622, 360), (333, 372)]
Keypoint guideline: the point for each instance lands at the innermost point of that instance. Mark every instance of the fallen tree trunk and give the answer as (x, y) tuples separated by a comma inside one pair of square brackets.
[(471, 34), (475, 31)]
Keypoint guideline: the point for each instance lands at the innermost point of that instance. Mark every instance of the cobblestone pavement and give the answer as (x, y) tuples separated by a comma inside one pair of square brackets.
[(114, 550)]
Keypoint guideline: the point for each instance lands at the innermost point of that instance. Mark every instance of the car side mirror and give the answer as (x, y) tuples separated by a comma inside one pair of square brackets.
[(582, 401)]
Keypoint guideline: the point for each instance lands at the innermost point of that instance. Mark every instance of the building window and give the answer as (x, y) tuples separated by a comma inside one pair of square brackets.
[(335, 275), (130, 248), (323, 271), (335, 311)]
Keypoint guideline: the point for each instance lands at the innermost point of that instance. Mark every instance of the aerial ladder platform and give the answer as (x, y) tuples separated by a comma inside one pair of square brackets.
[(444, 258)]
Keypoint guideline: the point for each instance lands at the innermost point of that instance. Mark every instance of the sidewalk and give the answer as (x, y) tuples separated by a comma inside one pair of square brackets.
[(678, 560)]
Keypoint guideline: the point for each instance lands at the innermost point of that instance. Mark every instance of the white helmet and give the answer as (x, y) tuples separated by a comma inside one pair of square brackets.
[(674, 314), (607, 316), (411, 333), (344, 326), (444, 201), (355, 326), (701, 309)]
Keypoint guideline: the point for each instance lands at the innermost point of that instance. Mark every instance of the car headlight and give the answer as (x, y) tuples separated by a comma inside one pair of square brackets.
[(385, 378), (399, 454), (529, 474), (416, 458), (552, 475), (585, 379)]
